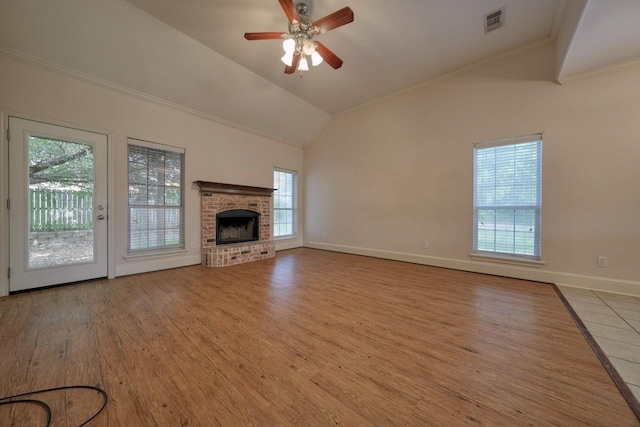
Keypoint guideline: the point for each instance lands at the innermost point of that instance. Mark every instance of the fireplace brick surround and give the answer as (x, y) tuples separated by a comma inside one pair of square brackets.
[(218, 197)]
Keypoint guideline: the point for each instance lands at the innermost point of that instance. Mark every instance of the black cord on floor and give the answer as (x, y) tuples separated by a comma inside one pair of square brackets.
[(33, 402), (7, 400)]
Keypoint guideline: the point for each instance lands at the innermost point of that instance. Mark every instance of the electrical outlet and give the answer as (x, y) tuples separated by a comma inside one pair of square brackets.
[(193, 245), (425, 244), (603, 261)]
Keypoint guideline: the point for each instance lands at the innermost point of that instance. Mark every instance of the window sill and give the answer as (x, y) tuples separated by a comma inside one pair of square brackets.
[(153, 255), (513, 260)]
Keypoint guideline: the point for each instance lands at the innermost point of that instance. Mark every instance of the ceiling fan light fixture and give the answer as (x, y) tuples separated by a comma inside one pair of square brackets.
[(289, 45), (316, 59), (287, 59), (298, 44), (304, 65), (308, 47)]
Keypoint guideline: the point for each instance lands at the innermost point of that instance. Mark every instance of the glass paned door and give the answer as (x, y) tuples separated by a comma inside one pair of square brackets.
[(58, 209)]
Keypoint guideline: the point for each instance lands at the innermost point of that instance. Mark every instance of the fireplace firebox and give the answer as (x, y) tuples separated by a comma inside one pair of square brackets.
[(237, 225), (253, 203)]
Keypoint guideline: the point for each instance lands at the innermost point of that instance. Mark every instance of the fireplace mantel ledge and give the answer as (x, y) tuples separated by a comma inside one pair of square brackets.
[(219, 187)]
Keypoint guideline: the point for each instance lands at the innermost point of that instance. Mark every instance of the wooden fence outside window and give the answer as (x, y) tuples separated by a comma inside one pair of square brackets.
[(60, 210)]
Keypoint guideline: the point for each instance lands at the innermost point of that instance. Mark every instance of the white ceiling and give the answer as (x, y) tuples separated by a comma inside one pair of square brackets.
[(390, 45), (192, 53), (608, 34)]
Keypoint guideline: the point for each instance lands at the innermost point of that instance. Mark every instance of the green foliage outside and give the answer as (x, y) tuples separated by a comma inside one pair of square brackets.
[(61, 185)]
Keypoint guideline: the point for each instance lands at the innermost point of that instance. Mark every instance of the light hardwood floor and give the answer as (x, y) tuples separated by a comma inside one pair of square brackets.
[(307, 338)]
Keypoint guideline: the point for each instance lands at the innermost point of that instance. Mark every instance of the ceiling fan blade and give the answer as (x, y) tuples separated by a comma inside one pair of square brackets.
[(290, 69), (263, 36), (334, 20), (329, 57), (290, 10)]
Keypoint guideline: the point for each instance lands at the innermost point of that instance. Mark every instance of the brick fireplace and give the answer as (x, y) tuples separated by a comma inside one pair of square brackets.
[(218, 199)]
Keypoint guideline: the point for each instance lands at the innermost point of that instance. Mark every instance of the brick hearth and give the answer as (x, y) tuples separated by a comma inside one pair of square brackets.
[(217, 197)]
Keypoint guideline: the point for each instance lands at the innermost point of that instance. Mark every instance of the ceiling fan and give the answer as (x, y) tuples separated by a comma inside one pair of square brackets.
[(298, 43)]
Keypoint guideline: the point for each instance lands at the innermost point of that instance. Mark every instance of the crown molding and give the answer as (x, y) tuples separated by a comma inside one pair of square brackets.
[(469, 67), (50, 66), (598, 71)]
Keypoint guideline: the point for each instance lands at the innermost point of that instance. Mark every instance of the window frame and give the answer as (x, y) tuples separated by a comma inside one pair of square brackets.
[(159, 249), (294, 203), (531, 259)]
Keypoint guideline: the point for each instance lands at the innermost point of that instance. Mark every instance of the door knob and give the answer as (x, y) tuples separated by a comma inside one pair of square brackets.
[(100, 217)]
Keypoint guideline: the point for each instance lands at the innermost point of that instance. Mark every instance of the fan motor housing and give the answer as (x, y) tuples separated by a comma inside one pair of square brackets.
[(302, 8)]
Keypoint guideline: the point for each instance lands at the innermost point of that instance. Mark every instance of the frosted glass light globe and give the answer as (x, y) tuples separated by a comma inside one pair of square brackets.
[(316, 59), (289, 45), (304, 65), (308, 47)]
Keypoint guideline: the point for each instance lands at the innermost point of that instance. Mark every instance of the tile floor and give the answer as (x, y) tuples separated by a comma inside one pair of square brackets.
[(614, 322)]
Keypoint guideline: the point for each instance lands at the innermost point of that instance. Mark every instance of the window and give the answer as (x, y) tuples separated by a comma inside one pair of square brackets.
[(507, 197), (284, 203), (156, 197)]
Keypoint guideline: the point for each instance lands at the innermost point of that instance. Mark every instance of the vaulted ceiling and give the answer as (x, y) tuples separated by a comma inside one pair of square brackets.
[(192, 54)]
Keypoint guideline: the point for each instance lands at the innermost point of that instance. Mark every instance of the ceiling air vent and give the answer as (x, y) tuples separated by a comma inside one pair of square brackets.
[(493, 20)]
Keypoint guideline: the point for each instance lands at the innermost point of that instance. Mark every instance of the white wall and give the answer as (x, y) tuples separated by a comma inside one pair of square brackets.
[(214, 152), (382, 178), (115, 41)]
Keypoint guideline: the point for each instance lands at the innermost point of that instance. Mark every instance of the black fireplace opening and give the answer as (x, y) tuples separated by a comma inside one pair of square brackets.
[(238, 225)]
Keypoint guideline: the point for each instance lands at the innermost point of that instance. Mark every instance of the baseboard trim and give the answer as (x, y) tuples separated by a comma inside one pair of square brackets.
[(537, 274), (155, 264), (285, 244)]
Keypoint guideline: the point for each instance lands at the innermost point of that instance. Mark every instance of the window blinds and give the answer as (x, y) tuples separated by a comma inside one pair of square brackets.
[(507, 196), (283, 203), (156, 197)]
